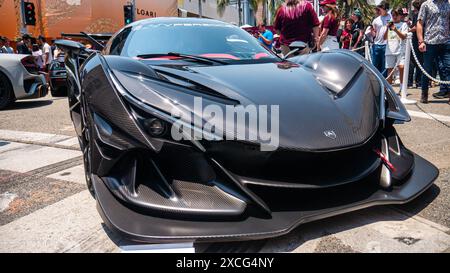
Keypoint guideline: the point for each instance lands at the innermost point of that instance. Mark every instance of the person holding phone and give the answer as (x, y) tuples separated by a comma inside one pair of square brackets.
[(395, 37), (265, 36)]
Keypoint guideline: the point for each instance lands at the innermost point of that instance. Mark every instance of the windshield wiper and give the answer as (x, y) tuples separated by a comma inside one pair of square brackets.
[(185, 56)]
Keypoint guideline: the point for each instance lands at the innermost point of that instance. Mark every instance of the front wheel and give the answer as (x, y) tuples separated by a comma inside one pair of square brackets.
[(86, 147), (6, 92), (86, 150), (58, 92)]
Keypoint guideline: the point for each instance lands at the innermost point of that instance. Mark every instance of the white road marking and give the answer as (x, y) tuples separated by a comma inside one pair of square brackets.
[(32, 137), (29, 157), (71, 142), (5, 199), (60, 227), (6, 146), (75, 174), (419, 114)]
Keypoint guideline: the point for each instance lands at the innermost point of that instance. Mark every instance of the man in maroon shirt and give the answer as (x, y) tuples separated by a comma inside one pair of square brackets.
[(296, 20)]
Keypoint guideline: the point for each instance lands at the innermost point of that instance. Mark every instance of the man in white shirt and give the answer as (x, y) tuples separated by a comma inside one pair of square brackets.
[(37, 54), (47, 53), (379, 26)]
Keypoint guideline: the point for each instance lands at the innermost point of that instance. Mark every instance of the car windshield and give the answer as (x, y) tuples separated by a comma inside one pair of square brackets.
[(216, 41)]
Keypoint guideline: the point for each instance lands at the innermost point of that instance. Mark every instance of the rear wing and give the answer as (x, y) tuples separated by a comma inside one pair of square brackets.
[(98, 40)]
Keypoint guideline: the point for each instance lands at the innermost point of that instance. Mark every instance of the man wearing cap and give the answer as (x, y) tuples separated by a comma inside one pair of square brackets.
[(379, 26), (434, 40)]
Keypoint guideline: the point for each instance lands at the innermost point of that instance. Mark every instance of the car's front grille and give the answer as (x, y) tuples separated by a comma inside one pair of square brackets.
[(297, 169)]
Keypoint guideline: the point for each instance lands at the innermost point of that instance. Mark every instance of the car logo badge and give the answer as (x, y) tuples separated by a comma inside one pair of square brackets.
[(330, 134)]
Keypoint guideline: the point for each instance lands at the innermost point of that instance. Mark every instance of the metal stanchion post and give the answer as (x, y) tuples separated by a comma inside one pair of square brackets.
[(406, 71), (367, 50)]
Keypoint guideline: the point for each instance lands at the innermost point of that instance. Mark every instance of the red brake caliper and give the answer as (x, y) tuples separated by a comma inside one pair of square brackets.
[(385, 160)]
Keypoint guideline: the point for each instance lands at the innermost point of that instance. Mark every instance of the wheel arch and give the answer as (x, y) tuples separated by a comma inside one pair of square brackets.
[(2, 72)]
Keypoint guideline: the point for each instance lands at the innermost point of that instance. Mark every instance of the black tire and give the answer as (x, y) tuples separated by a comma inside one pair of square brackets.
[(6, 92), (58, 92), (86, 147)]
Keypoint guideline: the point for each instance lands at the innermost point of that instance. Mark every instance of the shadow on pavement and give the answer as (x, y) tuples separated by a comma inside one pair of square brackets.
[(422, 201), (19, 105), (325, 227), (438, 101)]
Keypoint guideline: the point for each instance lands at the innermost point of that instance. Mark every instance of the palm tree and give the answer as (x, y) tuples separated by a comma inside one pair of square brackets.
[(347, 7), (254, 4), (274, 5), (395, 4), (222, 5)]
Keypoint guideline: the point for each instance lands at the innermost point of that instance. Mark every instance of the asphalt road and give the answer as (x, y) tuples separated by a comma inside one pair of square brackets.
[(44, 205), (45, 115)]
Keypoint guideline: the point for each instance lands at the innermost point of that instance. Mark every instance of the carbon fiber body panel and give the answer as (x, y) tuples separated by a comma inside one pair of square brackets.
[(144, 228), (338, 150)]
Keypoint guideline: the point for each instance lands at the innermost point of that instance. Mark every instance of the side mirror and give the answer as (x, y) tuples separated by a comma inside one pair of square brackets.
[(295, 47), (69, 46), (299, 45)]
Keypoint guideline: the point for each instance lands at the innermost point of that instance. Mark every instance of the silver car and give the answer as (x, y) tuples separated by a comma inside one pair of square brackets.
[(19, 79)]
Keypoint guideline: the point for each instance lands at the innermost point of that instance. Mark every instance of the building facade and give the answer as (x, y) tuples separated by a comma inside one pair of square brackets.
[(97, 16)]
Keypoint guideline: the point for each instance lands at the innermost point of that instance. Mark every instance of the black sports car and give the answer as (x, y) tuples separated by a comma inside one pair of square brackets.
[(57, 70), (57, 77), (336, 151)]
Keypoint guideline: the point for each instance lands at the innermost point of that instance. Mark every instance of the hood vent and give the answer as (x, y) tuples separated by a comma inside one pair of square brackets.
[(191, 85)]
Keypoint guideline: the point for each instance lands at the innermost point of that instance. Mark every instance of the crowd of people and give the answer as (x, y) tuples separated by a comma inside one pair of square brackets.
[(38, 47), (296, 20)]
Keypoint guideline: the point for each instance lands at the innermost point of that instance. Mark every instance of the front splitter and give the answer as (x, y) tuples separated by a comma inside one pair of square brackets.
[(150, 229)]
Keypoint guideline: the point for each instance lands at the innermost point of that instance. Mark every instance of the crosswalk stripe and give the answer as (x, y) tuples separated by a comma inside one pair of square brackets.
[(32, 136), (69, 142), (27, 157), (418, 114), (60, 141), (74, 174), (56, 228)]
